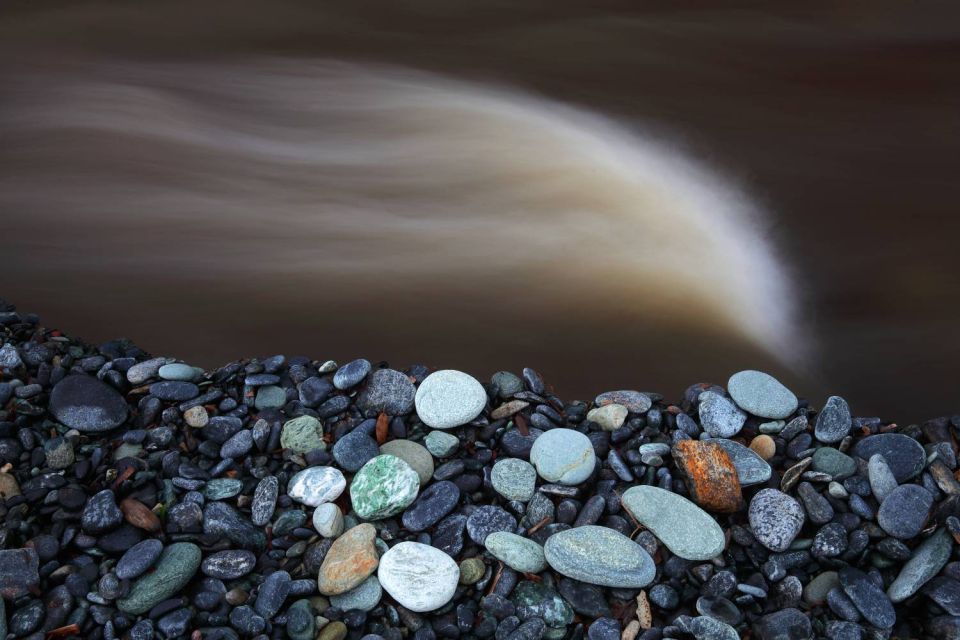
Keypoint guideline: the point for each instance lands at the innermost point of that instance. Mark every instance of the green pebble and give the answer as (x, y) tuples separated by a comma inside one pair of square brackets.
[(270, 397), (302, 435), (384, 487), (177, 565), (472, 570), (441, 444), (301, 624), (335, 630), (222, 488)]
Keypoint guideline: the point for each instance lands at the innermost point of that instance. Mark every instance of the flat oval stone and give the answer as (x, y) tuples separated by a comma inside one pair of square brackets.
[(720, 417), (786, 624), (635, 401), (418, 576), (711, 477), (351, 374), (351, 558), (775, 519), (364, 597), (761, 394), (229, 564), (751, 468), (384, 487), (302, 435), (414, 454), (138, 559), (925, 562), (449, 398), (834, 463), (519, 553), (387, 391), (264, 500), (488, 519), (179, 371), (514, 479), (86, 404), (904, 455), (177, 565), (354, 450), (563, 456), (904, 512), (833, 422), (435, 502), (707, 628), (686, 529), (315, 485), (600, 556), (441, 444), (945, 592), (869, 599), (328, 520), (174, 390)]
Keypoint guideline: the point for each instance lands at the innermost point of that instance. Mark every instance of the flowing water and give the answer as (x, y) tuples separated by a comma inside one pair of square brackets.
[(614, 197)]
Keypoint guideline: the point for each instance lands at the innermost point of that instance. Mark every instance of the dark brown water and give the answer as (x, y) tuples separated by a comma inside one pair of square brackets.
[(196, 177)]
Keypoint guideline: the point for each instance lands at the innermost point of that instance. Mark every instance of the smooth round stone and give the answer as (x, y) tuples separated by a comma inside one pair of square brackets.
[(138, 559), (414, 454), (435, 502), (815, 593), (86, 404), (537, 600), (634, 401), (222, 488), (563, 456), (441, 444), (179, 371), (315, 485), (516, 445), (270, 397), (364, 597), (882, 480), (351, 374), (720, 417), (302, 435), (143, 371), (472, 570), (264, 500), (751, 468), (600, 556), (418, 576), (604, 629), (272, 594), (354, 450), (707, 628), (905, 510), (904, 455), (301, 623), (174, 390), (387, 391), (926, 561), (237, 445), (177, 565), (229, 564), (869, 599), (833, 422), (514, 479), (488, 519), (507, 383), (609, 417), (519, 553), (686, 529), (764, 446), (449, 398), (775, 519), (351, 558), (761, 394), (384, 486), (328, 520), (834, 463)]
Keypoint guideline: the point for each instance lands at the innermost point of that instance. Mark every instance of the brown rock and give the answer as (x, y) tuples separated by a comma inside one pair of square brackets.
[(351, 558), (508, 409), (764, 446), (711, 476), (8, 486), (137, 514)]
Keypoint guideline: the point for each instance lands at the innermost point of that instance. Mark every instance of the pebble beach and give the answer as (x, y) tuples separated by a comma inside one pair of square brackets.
[(289, 497)]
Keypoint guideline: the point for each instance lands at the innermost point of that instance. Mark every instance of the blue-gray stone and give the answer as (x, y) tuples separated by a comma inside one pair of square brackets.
[(387, 391), (138, 559), (563, 456), (600, 556), (775, 519), (833, 422), (751, 468), (686, 529), (351, 374), (904, 455), (869, 599), (86, 404), (487, 519), (364, 597), (435, 502), (926, 562), (834, 463), (229, 564), (179, 371), (519, 553), (719, 416), (761, 394), (514, 479), (174, 390), (354, 450)]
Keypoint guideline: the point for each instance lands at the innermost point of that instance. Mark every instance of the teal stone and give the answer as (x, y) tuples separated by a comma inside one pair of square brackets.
[(302, 435), (287, 521), (926, 562), (177, 565), (270, 397), (686, 529), (222, 488), (534, 599), (441, 444), (761, 394), (600, 556), (563, 456), (751, 468), (127, 450), (834, 463), (707, 628), (301, 623), (365, 596), (514, 479), (506, 383), (519, 553), (179, 371), (383, 487)]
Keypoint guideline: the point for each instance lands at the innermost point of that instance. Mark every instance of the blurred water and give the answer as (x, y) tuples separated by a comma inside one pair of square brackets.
[(487, 187)]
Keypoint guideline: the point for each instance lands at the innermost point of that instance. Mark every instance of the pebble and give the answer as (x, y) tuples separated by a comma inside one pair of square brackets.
[(302, 434), (786, 624), (600, 556), (101, 513), (486, 520), (138, 558), (387, 391), (927, 560), (761, 394), (686, 529), (707, 628), (720, 417), (904, 455), (414, 454), (174, 391), (351, 558), (335, 630), (514, 479), (537, 600), (384, 487), (472, 570), (354, 450), (751, 468), (86, 404), (775, 519), (143, 371), (563, 456), (418, 576), (904, 512), (869, 599), (834, 463), (272, 594), (833, 422), (449, 398), (18, 572), (609, 417), (173, 571), (764, 446), (634, 401), (270, 397), (229, 564), (364, 597), (519, 553), (315, 485), (441, 444), (712, 479), (328, 520), (945, 592), (431, 506), (179, 371), (301, 623), (265, 500), (351, 374)]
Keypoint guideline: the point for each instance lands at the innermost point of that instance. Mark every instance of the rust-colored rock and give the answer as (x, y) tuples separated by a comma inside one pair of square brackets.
[(349, 561), (711, 476), (139, 515)]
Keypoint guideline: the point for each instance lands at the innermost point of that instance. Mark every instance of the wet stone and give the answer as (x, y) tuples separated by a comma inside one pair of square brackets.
[(706, 628), (536, 600), (904, 512), (229, 564), (86, 404), (869, 599), (219, 518), (945, 592), (354, 450), (711, 476), (435, 502), (101, 513), (18, 572), (719, 416), (264, 500), (351, 374), (600, 556), (833, 421), (138, 559), (173, 571), (486, 520), (174, 391), (775, 519), (272, 594)]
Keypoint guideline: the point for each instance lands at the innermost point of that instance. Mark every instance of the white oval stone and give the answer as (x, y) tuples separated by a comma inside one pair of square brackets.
[(328, 520), (610, 417), (316, 485), (449, 398), (418, 576), (564, 456)]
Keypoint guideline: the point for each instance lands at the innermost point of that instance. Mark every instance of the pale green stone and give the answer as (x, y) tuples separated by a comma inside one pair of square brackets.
[(600, 556), (686, 529), (177, 565), (302, 434), (364, 597), (514, 479), (270, 397), (222, 488), (518, 553), (414, 454), (441, 444), (383, 487)]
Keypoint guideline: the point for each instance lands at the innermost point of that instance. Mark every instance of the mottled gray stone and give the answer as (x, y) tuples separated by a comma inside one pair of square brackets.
[(449, 398), (686, 529), (761, 394), (719, 416), (600, 556), (751, 468)]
